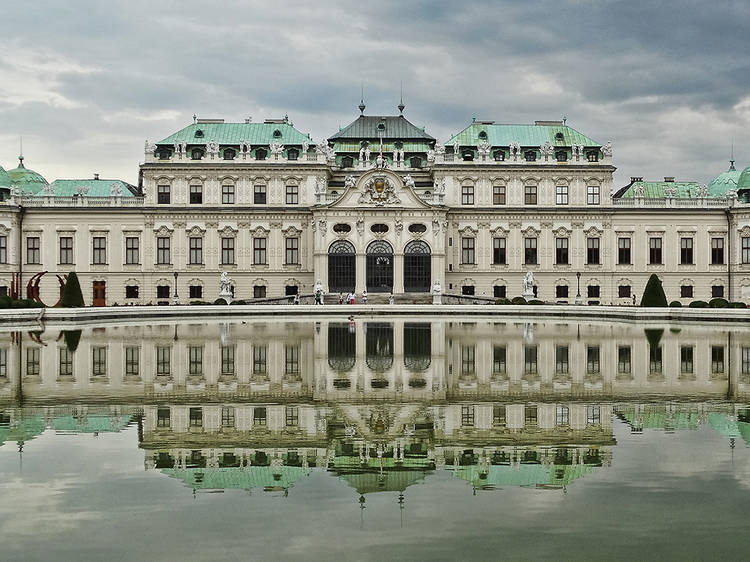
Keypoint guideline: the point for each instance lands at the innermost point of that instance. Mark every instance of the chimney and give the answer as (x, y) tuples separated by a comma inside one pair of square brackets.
[(96, 176), (248, 119), (669, 179), (634, 179)]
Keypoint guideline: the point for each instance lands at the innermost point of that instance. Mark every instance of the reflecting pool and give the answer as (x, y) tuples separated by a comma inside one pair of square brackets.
[(384, 438)]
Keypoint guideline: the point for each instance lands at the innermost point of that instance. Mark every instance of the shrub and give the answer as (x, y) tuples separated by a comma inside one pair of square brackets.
[(502, 300), (72, 337), (240, 301), (72, 295), (536, 301), (518, 300), (653, 294), (5, 302), (220, 301), (737, 305), (653, 336), (698, 304), (675, 304), (718, 303)]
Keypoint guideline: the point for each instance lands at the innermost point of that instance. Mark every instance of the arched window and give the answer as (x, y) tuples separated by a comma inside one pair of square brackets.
[(292, 154), (229, 154), (277, 134), (198, 134), (261, 154), (483, 135), (467, 155), (499, 155), (415, 162), (559, 136), (379, 346), (417, 346), (347, 162), (341, 347), (561, 155), (530, 155), (592, 156), (164, 153), (196, 154), (341, 247), (417, 246)]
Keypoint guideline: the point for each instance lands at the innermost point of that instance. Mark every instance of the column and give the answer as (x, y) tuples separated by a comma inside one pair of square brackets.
[(398, 273), (361, 270)]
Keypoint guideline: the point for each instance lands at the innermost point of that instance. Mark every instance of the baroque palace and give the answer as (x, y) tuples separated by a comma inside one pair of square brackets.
[(380, 206)]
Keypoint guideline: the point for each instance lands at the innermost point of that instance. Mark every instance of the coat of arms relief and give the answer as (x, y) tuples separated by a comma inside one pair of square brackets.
[(378, 190)]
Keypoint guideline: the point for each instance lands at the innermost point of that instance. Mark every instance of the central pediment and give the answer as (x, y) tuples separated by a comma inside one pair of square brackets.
[(379, 188)]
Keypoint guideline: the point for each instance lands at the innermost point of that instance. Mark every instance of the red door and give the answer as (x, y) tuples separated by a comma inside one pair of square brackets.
[(100, 293)]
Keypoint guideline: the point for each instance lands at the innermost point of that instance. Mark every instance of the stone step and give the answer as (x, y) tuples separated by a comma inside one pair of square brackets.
[(383, 298)]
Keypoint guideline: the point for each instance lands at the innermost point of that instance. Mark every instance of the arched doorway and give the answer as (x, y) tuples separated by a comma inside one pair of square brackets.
[(341, 267), (379, 267), (417, 267)]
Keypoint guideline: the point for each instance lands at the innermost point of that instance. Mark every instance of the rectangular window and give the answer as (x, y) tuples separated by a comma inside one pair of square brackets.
[(561, 359), (259, 416), (163, 195), (623, 251), (561, 195), (499, 291), (292, 251), (259, 194), (592, 251), (33, 361), (593, 415), (163, 254), (196, 194), (717, 291), (3, 362), (467, 415), (498, 359), (195, 360), (655, 365), (99, 253), (196, 417), (291, 417), (99, 361), (717, 359), (592, 195), (227, 416), (498, 251), (499, 416), (592, 360), (162, 291), (467, 250), (654, 251), (32, 250), (163, 360), (227, 194), (530, 359), (686, 359), (529, 246), (292, 194), (686, 291), (66, 362), (467, 194), (561, 292), (746, 360), (196, 250), (593, 291), (529, 195), (717, 251), (259, 291), (562, 416), (498, 195), (561, 251), (66, 250), (623, 291), (227, 251), (530, 415), (227, 360), (3, 249), (163, 417), (260, 353), (259, 251), (686, 251), (746, 249), (132, 360), (132, 250), (195, 291), (468, 359), (623, 359), (291, 359)]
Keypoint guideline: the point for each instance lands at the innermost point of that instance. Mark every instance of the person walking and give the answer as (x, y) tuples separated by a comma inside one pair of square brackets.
[(364, 297), (352, 298), (341, 298), (390, 299)]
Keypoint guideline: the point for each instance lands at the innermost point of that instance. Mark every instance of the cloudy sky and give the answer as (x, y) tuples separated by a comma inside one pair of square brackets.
[(87, 82)]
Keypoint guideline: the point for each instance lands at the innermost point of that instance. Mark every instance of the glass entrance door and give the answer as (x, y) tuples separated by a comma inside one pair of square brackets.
[(417, 267), (379, 267), (341, 267)]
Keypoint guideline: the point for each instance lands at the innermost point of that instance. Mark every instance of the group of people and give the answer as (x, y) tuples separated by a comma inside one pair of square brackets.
[(351, 298)]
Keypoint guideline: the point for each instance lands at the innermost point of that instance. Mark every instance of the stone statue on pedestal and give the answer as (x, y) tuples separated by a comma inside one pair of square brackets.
[(437, 292), (225, 288), (528, 286)]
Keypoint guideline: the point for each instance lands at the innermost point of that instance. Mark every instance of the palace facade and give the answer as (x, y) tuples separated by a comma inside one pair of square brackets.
[(380, 206)]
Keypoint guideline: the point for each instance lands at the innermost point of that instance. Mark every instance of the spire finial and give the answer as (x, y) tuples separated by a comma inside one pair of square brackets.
[(731, 158), (195, 118), (362, 99), (401, 105), (20, 154)]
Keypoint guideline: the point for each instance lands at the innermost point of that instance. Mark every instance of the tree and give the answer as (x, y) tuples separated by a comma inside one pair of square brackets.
[(72, 295), (653, 294)]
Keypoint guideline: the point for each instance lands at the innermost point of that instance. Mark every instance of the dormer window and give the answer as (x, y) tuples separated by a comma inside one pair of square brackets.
[(592, 156), (277, 134), (467, 155), (415, 162), (499, 155), (196, 154), (261, 154), (561, 155), (483, 135), (163, 154), (229, 154), (559, 137), (198, 134), (347, 162), (399, 145), (530, 155), (292, 154)]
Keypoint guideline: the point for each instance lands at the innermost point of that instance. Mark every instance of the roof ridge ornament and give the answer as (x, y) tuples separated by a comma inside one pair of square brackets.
[(401, 105), (362, 100)]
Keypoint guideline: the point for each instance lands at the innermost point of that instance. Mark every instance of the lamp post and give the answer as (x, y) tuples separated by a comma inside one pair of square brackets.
[(175, 299), (579, 300)]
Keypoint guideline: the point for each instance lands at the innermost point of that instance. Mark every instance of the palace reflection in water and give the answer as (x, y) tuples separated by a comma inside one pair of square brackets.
[(382, 404)]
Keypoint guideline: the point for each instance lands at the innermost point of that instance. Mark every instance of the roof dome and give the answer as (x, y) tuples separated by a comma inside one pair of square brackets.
[(724, 182), (25, 179), (4, 178), (744, 180)]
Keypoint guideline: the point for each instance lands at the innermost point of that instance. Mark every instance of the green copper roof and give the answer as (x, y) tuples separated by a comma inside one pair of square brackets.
[(4, 178), (246, 478), (525, 135), (656, 416), (388, 147), (25, 179), (724, 182), (90, 424), (372, 127), (233, 133), (25, 429), (97, 188), (655, 189), (522, 475), (743, 182), (393, 480)]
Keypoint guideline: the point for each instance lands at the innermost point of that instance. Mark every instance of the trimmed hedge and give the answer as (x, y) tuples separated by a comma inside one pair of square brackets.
[(536, 301), (502, 301), (675, 304), (653, 294), (72, 295), (718, 303), (518, 300), (220, 301), (737, 305), (8, 302), (698, 304)]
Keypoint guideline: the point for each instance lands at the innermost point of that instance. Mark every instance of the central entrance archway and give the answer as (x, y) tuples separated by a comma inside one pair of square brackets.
[(379, 267), (341, 267), (417, 267)]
